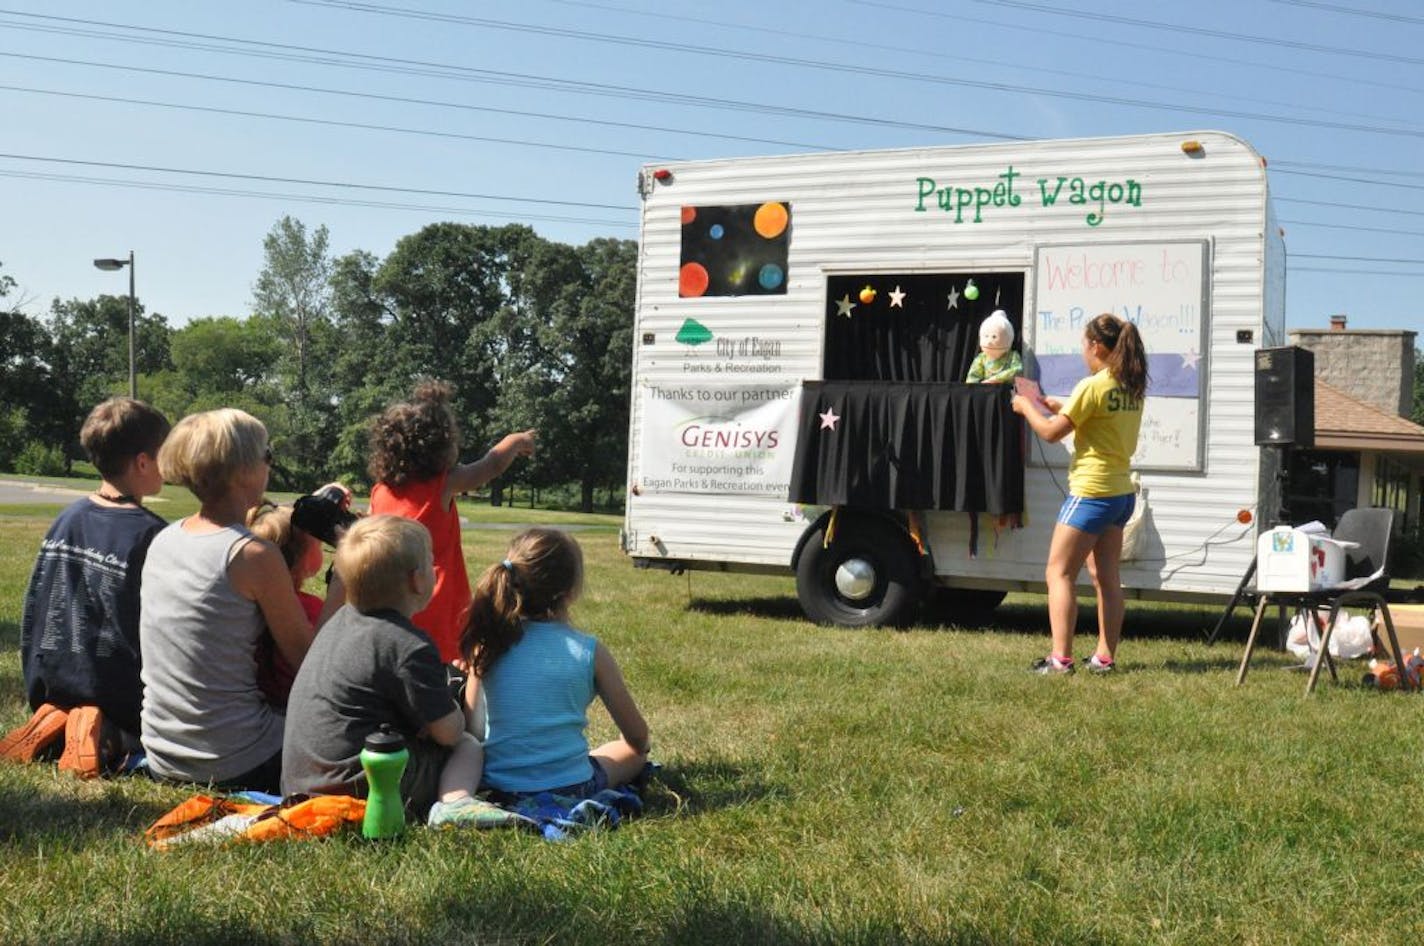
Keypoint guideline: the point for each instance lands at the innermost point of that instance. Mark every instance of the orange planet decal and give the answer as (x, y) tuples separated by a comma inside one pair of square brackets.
[(692, 280), (689, 214), (771, 219)]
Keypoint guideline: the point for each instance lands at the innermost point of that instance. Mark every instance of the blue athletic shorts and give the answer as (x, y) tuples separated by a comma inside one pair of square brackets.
[(1093, 515)]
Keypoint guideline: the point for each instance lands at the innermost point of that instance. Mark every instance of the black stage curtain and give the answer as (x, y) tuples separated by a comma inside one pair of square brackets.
[(909, 446), (922, 337)]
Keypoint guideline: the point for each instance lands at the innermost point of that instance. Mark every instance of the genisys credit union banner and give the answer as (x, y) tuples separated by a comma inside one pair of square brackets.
[(734, 438)]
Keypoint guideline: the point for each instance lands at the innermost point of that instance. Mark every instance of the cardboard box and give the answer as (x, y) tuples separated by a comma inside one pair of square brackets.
[(1408, 625), (1294, 560)]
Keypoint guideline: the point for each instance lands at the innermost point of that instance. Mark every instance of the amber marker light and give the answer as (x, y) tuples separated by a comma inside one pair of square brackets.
[(1192, 147), (1243, 516)]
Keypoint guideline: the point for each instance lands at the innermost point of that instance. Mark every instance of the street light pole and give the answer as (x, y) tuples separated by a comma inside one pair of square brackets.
[(110, 265)]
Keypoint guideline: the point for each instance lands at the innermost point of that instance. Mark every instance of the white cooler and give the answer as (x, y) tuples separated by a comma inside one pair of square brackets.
[(1289, 559)]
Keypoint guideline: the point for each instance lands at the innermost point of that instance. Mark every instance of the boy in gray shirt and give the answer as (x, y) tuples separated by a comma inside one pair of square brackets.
[(370, 666)]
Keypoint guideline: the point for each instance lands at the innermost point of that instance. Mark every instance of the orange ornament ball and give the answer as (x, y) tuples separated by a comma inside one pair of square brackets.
[(867, 295)]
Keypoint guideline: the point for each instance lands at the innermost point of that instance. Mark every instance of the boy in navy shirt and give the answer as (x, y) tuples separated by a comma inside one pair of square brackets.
[(79, 631)]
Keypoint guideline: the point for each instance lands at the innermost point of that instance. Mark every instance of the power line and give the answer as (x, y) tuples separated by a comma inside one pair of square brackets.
[(1128, 44), (271, 179), (723, 53), (1178, 28), (1353, 272), (1357, 259), (1345, 167), (306, 198), (1332, 203), (621, 92), (1353, 180), (1336, 8), (1346, 226), (429, 132)]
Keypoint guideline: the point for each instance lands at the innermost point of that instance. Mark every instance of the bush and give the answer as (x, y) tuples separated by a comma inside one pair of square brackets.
[(38, 459)]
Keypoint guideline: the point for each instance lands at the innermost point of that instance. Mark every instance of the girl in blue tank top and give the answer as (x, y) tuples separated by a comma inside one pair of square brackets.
[(532, 677)]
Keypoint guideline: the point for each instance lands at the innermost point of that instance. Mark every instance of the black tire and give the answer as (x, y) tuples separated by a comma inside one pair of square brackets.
[(880, 546), (966, 606)]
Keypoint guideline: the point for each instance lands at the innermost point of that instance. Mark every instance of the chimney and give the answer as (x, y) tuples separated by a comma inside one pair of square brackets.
[(1337, 323)]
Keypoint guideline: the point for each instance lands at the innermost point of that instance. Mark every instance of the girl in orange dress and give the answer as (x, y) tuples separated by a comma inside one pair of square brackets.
[(415, 463)]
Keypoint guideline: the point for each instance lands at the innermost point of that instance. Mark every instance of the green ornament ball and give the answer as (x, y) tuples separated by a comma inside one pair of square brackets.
[(971, 292)]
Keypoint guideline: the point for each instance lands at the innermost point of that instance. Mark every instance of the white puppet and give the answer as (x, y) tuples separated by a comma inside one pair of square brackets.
[(997, 362)]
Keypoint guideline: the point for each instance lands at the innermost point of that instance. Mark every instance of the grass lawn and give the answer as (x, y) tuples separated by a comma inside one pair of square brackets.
[(823, 786)]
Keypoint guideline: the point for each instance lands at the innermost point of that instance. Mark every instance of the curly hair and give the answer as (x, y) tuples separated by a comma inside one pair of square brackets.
[(416, 439)]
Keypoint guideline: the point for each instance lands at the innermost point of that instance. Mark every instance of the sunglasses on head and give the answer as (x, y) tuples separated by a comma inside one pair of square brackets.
[(267, 455)]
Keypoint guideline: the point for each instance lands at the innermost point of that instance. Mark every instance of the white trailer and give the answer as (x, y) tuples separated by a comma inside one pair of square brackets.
[(747, 265)]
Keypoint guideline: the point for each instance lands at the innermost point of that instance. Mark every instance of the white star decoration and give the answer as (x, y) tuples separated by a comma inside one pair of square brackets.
[(954, 298), (1190, 359), (844, 305), (897, 298), (829, 419)]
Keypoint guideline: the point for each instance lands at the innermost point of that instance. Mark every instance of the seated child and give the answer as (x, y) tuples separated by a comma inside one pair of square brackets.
[(302, 554), (79, 634), (532, 678), (371, 666)]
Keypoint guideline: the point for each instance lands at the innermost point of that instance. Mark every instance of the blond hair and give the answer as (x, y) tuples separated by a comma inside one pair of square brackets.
[(119, 429), (274, 523), (375, 558), (206, 451)]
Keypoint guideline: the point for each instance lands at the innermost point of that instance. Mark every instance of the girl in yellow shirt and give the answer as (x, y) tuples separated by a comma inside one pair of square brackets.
[(1104, 414)]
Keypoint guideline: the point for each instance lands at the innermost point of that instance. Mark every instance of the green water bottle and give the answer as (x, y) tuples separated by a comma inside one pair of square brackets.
[(384, 759)]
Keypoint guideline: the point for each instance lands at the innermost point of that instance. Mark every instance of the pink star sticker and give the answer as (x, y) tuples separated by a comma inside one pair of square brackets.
[(828, 419)]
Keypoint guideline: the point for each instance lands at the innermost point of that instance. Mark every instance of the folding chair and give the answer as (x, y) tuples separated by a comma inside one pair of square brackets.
[(1369, 530)]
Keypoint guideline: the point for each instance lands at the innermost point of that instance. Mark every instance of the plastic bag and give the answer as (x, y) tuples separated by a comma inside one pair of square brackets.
[(1350, 639), (1132, 530)]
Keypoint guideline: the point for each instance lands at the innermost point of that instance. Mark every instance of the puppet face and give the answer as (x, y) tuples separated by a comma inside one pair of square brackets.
[(996, 335)]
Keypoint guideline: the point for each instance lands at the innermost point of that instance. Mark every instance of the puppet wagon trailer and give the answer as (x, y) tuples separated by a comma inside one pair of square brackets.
[(826, 346)]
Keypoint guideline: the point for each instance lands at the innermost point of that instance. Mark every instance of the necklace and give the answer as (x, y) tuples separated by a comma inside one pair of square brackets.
[(123, 499)]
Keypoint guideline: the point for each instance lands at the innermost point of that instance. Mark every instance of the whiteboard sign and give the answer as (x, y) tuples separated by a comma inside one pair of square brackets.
[(1159, 287)]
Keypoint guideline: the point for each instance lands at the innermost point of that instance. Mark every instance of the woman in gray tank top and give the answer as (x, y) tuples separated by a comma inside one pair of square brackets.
[(209, 589)]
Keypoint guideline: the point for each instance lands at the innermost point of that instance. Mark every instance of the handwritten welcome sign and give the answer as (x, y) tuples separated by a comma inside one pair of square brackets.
[(1159, 287)]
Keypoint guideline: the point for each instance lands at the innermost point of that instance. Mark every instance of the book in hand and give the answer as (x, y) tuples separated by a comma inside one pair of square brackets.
[(1029, 388)]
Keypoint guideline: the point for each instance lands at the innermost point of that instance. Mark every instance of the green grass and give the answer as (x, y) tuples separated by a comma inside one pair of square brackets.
[(823, 786)]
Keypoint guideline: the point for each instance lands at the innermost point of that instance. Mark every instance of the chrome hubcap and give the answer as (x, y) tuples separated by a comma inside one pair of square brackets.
[(855, 579)]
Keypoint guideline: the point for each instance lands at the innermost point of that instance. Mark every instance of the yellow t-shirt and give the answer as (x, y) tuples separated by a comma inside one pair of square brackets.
[(1105, 423)]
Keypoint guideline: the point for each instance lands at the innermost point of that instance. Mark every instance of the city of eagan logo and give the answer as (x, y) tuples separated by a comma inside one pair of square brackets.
[(693, 333), (714, 436)]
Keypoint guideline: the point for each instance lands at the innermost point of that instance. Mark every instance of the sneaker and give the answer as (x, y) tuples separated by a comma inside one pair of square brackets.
[(81, 742), (1097, 664), (1051, 665), (469, 812), (25, 743)]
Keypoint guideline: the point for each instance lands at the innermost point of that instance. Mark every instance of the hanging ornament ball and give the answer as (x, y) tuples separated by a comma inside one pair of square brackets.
[(867, 295), (971, 291)]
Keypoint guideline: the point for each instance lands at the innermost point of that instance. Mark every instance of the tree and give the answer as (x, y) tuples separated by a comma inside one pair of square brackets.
[(88, 357), (1417, 414), (293, 292)]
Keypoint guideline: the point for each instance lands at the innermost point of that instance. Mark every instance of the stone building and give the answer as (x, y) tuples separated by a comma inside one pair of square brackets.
[(1367, 452)]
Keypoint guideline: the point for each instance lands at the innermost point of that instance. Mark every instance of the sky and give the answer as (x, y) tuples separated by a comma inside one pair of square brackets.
[(182, 130)]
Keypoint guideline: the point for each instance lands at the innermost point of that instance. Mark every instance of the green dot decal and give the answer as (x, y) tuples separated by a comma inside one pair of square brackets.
[(694, 332)]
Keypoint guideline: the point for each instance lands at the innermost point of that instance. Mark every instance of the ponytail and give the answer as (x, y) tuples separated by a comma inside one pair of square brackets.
[(541, 574), (1127, 356), (494, 625)]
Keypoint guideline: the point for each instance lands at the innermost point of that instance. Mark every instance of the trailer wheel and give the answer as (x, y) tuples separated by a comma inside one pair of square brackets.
[(868, 576)]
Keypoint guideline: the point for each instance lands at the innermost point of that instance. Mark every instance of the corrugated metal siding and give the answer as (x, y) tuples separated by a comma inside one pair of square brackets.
[(853, 211)]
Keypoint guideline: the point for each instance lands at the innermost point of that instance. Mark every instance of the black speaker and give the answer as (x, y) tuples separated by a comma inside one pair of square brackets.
[(1285, 397)]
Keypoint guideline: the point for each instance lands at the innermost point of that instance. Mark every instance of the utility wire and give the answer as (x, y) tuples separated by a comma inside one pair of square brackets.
[(1354, 272), (297, 180), (1336, 8), (364, 126), (612, 91), (724, 53), (1346, 226), (1127, 44), (1179, 28), (306, 198), (861, 45), (1415, 261)]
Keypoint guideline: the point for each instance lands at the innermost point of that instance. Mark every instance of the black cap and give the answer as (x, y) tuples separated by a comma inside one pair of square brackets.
[(385, 740)]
